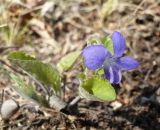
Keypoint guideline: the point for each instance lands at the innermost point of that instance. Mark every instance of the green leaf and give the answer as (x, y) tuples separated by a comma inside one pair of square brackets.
[(108, 7), (27, 91), (108, 44), (97, 89), (45, 73), (100, 71), (94, 40), (68, 61), (81, 76), (18, 55)]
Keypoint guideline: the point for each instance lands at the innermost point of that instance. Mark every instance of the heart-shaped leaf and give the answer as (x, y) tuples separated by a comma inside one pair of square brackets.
[(68, 61), (97, 89), (45, 73)]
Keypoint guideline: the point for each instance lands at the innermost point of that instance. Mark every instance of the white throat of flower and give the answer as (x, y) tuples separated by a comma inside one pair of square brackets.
[(109, 61)]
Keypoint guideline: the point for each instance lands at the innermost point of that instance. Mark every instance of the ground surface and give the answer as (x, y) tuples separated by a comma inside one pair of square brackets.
[(66, 28)]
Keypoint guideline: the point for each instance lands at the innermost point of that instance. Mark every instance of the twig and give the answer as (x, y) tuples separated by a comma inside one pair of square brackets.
[(148, 74), (2, 98), (9, 66), (32, 10), (3, 25), (133, 16), (64, 88), (138, 7), (74, 101), (7, 47)]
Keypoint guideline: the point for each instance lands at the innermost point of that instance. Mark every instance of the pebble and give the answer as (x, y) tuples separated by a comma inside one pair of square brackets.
[(116, 105), (57, 103), (8, 108)]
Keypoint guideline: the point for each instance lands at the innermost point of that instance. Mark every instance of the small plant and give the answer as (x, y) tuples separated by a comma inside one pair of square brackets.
[(102, 63), (13, 28)]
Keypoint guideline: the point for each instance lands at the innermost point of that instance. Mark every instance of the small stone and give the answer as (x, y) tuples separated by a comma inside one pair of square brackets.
[(56, 103), (116, 105), (8, 108), (158, 92), (158, 99)]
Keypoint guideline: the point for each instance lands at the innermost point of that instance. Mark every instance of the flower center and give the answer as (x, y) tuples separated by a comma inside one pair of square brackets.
[(109, 61)]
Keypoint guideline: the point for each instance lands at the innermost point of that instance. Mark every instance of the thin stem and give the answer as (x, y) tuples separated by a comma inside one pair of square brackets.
[(36, 81), (21, 72)]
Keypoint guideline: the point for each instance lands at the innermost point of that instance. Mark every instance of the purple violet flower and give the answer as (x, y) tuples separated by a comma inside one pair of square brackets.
[(96, 56)]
